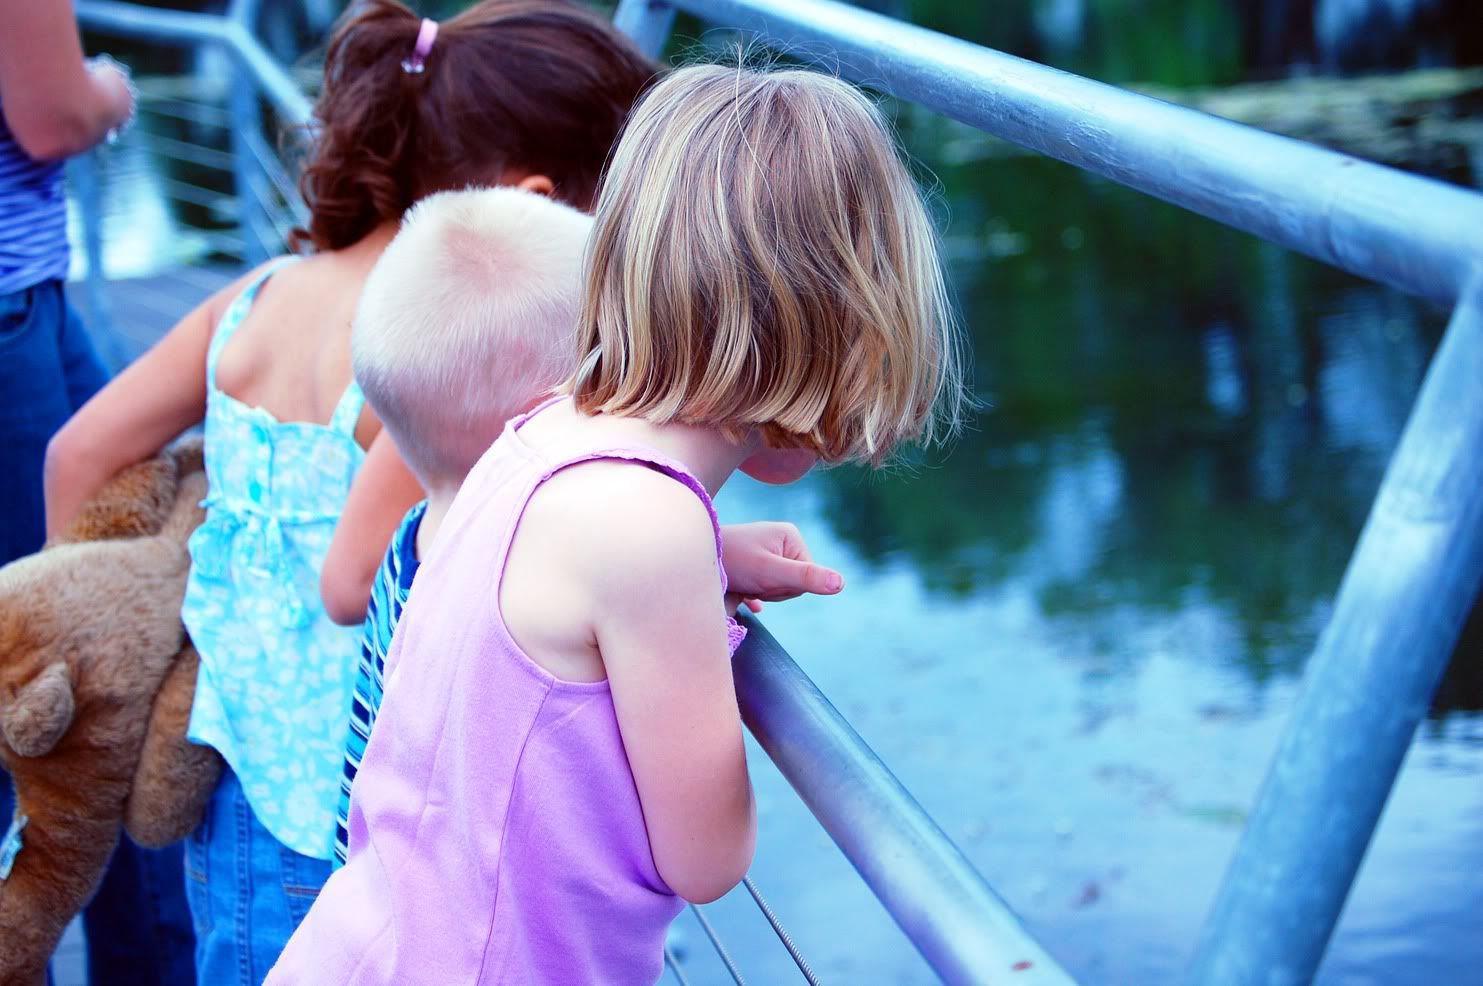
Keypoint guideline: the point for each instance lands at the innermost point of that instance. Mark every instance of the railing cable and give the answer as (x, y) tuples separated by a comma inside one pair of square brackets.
[(205, 114), (273, 170), (673, 961), (782, 933), (180, 150), (207, 198), (726, 959)]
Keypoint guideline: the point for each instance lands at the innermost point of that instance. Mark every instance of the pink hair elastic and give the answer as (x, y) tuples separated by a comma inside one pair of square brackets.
[(426, 35)]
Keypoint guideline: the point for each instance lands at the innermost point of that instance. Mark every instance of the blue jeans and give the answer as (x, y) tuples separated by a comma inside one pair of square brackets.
[(137, 926), (248, 891), (47, 371)]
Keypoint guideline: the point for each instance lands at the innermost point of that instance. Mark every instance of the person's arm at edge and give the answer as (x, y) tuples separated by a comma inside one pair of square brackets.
[(55, 105), (650, 565)]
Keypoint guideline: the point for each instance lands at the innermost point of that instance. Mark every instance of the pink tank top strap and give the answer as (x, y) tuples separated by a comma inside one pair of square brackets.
[(659, 462), (637, 454), (642, 456)]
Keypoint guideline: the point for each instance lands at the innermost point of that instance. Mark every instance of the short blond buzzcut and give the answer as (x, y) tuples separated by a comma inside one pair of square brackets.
[(762, 259), (467, 319)]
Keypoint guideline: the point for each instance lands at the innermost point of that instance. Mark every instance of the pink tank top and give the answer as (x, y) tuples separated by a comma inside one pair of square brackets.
[(496, 834)]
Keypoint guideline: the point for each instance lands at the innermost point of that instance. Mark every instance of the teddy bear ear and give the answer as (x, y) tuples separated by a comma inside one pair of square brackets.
[(40, 713)]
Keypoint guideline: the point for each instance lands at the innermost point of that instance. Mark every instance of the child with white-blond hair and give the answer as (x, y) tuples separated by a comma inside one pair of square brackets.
[(468, 319), (465, 321), (559, 759)]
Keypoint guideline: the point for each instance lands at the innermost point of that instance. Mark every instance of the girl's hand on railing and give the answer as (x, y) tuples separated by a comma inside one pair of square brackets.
[(57, 104), (768, 561), (117, 89)]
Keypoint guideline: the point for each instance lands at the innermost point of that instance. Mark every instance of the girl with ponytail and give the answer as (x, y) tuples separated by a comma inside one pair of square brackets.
[(529, 93)]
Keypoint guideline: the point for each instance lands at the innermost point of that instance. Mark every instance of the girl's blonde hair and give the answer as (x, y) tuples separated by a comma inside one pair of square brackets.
[(763, 260)]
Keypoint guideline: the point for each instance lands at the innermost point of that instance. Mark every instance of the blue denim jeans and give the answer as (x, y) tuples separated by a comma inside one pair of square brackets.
[(248, 891), (138, 928), (47, 371)]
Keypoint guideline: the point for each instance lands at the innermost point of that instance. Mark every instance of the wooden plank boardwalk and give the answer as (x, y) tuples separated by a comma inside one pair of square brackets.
[(138, 312)]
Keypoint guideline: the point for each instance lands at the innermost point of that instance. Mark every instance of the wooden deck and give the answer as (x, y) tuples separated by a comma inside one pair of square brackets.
[(69, 967), (137, 311)]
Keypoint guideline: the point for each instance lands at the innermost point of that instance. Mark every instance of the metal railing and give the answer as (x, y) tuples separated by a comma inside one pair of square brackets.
[(1402, 601), (948, 911), (1419, 560), (219, 132)]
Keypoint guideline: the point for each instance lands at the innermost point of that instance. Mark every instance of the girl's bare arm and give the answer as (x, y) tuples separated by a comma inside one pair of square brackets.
[(141, 410), (382, 493), (650, 571)]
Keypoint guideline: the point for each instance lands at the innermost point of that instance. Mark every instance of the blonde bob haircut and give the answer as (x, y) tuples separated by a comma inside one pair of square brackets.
[(763, 261)]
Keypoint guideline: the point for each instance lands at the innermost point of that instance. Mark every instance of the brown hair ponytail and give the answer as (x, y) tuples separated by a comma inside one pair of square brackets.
[(543, 86)]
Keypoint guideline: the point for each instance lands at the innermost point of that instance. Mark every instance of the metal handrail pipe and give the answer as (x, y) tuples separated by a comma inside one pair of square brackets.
[(282, 90), (951, 914), (1400, 609), (127, 20), (1421, 236), (179, 27)]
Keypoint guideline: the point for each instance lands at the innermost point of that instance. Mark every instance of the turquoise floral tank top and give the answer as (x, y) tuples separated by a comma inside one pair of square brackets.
[(276, 674)]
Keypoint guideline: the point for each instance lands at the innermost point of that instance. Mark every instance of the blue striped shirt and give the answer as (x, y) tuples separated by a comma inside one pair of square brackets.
[(388, 596), (33, 217)]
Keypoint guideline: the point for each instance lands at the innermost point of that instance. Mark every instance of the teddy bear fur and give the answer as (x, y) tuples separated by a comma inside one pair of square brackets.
[(96, 681)]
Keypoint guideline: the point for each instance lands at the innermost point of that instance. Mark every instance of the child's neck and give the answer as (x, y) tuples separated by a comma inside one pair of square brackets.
[(710, 456), (440, 496), (368, 248), (706, 452)]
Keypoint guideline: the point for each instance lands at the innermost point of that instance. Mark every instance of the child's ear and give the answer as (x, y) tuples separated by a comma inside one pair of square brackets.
[(540, 184), (40, 713)]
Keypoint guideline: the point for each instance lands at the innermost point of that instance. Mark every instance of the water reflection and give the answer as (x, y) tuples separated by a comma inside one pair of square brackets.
[(142, 234), (1077, 634), (1212, 42), (1173, 408)]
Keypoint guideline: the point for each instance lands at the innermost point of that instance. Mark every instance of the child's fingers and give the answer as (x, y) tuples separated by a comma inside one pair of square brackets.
[(793, 544), (790, 578)]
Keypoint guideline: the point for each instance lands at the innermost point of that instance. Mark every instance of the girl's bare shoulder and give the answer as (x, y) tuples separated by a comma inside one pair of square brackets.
[(610, 515)]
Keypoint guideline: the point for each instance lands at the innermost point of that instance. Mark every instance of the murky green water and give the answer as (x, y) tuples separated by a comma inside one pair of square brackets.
[(1076, 635)]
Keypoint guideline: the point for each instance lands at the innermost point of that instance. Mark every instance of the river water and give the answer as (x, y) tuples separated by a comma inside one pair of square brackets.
[(1076, 635)]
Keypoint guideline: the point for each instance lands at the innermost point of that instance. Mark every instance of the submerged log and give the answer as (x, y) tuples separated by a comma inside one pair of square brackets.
[(1429, 120)]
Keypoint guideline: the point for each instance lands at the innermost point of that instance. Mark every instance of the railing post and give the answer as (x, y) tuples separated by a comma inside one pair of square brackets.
[(88, 184), (1400, 608), (647, 22), (246, 115)]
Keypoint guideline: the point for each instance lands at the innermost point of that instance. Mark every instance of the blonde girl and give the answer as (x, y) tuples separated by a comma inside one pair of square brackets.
[(566, 764)]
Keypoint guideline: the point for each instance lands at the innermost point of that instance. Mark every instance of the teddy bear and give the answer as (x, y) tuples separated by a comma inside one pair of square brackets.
[(97, 675)]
